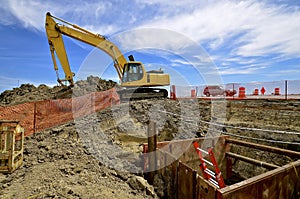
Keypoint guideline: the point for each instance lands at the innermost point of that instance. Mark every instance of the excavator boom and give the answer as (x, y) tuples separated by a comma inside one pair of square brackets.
[(54, 33)]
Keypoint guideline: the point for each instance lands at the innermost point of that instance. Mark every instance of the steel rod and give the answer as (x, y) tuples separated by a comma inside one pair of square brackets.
[(264, 148), (252, 161)]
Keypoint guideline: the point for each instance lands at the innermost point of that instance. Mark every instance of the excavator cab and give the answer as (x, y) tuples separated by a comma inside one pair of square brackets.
[(133, 71)]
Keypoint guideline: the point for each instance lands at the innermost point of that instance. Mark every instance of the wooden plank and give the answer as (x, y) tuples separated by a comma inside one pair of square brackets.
[(248, 192), (204, 190), (264, 147), (269, 188), (252, 161), (186, 182)]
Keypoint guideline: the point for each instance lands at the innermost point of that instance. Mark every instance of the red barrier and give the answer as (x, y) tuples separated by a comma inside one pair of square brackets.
[(255, 91), (173, 92), (277, 91), (242, 92), (37, 116), (193, 93)]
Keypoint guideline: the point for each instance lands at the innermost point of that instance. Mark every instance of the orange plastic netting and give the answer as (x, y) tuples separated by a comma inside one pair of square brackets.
[(40, 115)]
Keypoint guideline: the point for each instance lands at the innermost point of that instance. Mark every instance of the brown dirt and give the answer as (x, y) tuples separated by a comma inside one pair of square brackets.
[(57, 165)]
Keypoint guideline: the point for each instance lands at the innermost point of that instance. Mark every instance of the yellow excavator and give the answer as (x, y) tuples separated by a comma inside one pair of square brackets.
[(135, 81)]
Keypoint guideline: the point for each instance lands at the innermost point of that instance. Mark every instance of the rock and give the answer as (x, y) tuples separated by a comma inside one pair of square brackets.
[(150, 191), (70, 191), (139, 183), (4, 186), (123, 175)]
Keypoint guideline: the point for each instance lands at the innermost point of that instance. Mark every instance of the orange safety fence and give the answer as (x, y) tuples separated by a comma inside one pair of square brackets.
[(40, 115), (21, 112)]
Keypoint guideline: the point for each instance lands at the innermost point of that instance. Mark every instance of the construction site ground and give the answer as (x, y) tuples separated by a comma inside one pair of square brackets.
[(100, 155)]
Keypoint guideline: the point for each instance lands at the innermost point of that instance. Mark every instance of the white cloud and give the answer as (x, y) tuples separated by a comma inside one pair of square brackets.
[(31, 14), (246, 29), (277, 32), (152, 38), (28, 13), (234, 71), (214, 20), (268, 28)]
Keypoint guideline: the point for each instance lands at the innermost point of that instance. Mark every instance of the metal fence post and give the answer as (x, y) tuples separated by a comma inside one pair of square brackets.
[(34, 117), (286, 89), (233, 90)]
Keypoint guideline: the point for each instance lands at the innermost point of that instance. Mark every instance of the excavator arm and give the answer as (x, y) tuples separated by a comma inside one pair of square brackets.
[(54, 33)]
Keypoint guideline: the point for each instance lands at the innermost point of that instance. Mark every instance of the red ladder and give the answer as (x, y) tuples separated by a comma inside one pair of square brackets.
[(214, 177)]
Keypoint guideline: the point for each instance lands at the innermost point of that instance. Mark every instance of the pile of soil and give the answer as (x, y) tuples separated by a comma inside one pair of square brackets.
[(27, 93), (92, 84), (30, 93), (57, 165)]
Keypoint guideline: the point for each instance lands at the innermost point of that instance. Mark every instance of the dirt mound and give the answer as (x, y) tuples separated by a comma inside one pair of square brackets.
[(92, 84), (30, 93), (27, 93), (58, 165)]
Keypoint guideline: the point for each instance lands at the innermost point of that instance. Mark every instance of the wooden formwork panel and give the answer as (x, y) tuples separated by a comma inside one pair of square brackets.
[(204, 190), (186, 182), (279, 183), (191, 158)]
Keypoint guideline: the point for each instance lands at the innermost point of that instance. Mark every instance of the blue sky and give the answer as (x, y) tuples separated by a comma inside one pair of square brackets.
[(239, 41)]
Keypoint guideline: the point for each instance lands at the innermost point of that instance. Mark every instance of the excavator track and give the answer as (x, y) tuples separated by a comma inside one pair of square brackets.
[(142, 93)]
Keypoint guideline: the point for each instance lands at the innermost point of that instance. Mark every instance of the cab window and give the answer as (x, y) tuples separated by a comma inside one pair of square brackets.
[(132, 72)]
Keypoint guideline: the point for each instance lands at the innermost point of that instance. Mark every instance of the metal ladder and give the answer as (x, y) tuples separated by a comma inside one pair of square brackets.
[(214, 177)]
